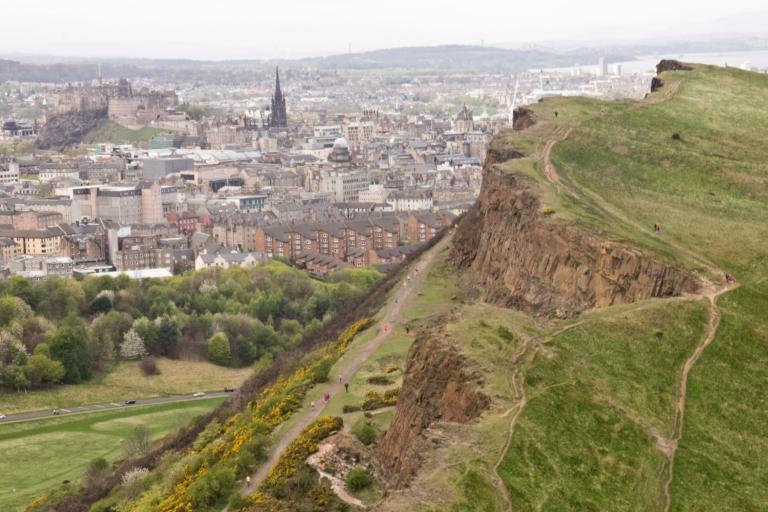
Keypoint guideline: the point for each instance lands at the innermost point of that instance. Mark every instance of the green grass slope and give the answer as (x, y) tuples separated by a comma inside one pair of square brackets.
[(622, 170), (110, 131), (597, 394)]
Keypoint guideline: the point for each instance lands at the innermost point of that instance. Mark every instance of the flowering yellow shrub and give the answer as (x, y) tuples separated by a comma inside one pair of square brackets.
[(376, 400), (300, 448), (272, 407)]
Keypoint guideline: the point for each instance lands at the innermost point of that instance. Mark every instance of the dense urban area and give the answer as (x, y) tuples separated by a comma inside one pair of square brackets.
[(327, 169)]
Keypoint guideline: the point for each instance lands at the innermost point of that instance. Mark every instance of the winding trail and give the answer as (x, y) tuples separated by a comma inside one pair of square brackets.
[(392, 311), (518, 385), (669, 448), (709, 290)]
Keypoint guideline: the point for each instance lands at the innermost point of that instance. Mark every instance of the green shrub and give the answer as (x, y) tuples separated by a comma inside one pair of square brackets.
[(379, 380), (322, 369), (376, 400), (358, 478), (505, 334), (350, 408), (365, 432)]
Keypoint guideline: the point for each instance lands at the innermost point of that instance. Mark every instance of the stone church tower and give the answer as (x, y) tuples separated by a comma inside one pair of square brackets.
[(279, 115)]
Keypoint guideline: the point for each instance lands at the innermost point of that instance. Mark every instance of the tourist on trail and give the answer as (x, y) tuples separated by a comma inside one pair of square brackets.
[(312, 404)]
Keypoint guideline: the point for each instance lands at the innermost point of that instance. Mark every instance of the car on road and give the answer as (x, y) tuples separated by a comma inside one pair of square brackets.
[(130, 402), (229, 390), (3, 416), (198, 394), (56, 412)]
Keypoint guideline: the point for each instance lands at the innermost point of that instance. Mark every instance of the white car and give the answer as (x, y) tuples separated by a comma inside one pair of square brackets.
[(199, 394), (3, 416)]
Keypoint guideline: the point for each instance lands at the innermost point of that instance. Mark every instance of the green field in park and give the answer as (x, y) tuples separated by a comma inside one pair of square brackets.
[(37, 455)]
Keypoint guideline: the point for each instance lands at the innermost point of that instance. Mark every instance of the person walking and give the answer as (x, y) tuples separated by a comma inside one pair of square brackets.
[(346, 387)]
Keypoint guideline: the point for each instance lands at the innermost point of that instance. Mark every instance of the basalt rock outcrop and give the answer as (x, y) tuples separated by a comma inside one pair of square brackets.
[(672, 65), (656, 84), (439, 384), (522, 258), (522, 119), (69, 128)]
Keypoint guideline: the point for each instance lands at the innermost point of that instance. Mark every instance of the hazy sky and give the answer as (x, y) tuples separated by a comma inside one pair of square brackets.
[(224, 29)]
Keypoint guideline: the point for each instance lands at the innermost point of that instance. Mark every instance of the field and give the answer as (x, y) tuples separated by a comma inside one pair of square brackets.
[(37, 455), (127, 381)]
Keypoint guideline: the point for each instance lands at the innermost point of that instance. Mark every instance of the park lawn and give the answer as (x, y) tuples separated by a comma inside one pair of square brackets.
[(126, 381), (38, 455)]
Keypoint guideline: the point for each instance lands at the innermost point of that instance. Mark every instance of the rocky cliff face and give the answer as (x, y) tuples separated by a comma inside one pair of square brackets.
[(68, 129), (439, 384), (524, 259)]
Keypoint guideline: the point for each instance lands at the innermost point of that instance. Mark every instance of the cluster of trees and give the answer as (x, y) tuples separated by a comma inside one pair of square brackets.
[(62, 330)]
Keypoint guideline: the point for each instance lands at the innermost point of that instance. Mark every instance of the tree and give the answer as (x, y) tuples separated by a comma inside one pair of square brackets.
[(13, 308), (96, 471), (149, 366), (42, 371), (101, 304), (147, 329), (167, 336), (138, 444), (64, 297), (69, 345), (107, 333), (132, 346), (218, 349), (12, 377)]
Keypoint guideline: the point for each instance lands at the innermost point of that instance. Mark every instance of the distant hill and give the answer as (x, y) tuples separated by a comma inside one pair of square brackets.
[(456, 57), (445, 58)]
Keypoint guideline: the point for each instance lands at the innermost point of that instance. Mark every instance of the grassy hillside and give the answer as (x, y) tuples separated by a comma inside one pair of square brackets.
[(709, 191), (110, 131), (584, 412)]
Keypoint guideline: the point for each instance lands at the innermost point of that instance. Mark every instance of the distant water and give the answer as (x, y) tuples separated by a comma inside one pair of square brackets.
[(748, 60)]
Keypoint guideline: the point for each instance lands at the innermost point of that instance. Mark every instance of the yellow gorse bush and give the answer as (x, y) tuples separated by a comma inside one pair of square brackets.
[(273, 406)]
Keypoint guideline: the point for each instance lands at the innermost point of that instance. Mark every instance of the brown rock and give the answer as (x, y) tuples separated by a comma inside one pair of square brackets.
[(438, 385), (672, 65), (523, 118), (523, 259)]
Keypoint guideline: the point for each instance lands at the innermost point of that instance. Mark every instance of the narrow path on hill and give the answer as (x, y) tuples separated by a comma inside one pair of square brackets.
[(392, 315), (709, 290), (550, 171), (669, 446), (518, 385)]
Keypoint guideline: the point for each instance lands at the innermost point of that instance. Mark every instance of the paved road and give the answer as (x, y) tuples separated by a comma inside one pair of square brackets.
[(107, 406)]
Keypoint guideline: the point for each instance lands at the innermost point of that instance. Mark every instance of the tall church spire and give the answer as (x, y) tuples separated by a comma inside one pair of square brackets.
[(279, 117)]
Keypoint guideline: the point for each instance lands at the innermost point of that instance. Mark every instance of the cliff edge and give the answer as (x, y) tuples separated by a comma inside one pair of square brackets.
[(523, 258)]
